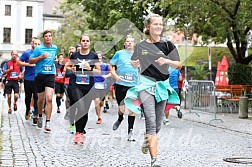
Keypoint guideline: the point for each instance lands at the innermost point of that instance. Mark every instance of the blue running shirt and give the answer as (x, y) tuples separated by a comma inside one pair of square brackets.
[(46, 65), (104, 71), (29, 73), (174, 76), (122, 60)]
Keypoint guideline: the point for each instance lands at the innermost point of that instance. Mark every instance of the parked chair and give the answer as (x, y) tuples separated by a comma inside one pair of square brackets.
[(223, 93), (249, 94), (236, 91)]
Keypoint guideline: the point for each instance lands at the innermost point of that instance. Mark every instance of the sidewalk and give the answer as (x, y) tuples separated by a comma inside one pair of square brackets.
[(222, 120)]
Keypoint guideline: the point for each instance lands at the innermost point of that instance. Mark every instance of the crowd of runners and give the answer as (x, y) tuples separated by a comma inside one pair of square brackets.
[(137, 76)]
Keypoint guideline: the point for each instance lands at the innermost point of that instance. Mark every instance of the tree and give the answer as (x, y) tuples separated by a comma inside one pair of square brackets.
[(218, 20), (103, 14), (72, 26)]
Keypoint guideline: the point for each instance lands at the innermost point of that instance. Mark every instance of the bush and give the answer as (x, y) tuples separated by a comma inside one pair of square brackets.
[(240, 74), (199, 72)]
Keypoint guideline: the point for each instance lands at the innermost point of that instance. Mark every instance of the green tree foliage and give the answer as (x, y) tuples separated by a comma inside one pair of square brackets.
[(72, 26), (240, 74), (103, 14), (218, 20), (221, 21)]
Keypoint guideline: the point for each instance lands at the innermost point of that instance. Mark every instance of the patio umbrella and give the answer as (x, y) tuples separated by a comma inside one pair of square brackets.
[(217, 78), (223, 71)]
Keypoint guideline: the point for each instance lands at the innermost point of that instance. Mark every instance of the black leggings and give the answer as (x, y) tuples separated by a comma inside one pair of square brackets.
[(30, 89), (80, 99), (71, 110)]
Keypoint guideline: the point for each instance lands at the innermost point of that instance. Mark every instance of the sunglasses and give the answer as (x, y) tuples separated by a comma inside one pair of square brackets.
[(84, 40)]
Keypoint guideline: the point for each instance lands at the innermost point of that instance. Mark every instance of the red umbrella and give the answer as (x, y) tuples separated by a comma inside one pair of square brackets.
[(223, 71), (217, 78), (224, 64)]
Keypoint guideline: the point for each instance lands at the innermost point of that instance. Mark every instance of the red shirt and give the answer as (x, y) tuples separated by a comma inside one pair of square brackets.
[(13, 75), (59, 78)]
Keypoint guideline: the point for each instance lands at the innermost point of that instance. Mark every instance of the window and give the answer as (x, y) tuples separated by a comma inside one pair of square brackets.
[(7, 35), (7, 10), (29, 11), (28, 36)]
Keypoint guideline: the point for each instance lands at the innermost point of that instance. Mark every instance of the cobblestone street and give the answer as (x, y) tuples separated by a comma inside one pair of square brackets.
[(184, 143)]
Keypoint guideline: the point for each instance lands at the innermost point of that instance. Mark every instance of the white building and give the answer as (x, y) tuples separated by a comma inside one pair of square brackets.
[(51, 18), (20, 20)]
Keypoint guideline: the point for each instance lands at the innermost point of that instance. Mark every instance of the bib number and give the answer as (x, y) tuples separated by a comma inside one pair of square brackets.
[(47, 68), (151, 90), (100, 85), (14, 75), (82, 79), (59, 75), (127, 78)]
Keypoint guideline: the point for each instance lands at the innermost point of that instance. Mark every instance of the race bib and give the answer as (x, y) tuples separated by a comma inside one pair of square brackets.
[(82, 79), (47, 68), (59, 75), (100, 85), (127, 78), (151, 90), (14, 75)]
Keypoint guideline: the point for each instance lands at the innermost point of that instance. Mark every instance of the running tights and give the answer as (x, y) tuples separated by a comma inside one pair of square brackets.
[(153, 112), (80, 100)]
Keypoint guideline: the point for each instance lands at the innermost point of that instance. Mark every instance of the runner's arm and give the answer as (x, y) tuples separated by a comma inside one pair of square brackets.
[(24, 64), (36, 59)]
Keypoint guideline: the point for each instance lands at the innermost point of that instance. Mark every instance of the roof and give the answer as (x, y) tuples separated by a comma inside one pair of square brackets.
[(50, 6)]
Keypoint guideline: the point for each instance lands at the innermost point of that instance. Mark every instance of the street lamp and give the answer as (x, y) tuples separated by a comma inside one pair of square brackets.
[(209, 57), (185, 41)]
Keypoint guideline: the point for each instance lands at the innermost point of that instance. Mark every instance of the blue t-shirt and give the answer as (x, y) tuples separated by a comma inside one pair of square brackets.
[(104, 71), (122, 60), (1, 73), (174, 76), (29, 73), (46, 65)]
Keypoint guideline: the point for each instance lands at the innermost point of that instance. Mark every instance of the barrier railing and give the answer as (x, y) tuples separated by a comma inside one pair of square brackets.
[(201, 96)]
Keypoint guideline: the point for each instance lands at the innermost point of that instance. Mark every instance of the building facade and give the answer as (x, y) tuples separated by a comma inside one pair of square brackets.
[(20, 20)]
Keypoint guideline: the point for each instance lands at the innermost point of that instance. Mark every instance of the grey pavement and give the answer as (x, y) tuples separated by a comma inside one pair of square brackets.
[(190, 141)]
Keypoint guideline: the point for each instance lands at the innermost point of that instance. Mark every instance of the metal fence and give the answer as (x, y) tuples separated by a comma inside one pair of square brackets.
[(201, 97)]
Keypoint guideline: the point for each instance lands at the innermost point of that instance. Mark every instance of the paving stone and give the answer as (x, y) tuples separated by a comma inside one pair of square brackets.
[(185, 142), (6, 163), (6, 157)]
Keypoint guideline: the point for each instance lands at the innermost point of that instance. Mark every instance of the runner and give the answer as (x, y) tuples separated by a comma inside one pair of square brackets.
[(174, 77), (84, 65), (59, 80), (29, 81), (101, 86), (13, 72), (43, 56), (71, 50), (126, 78), (70, 111), (153, 55), (1, 81), (67, 74)]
